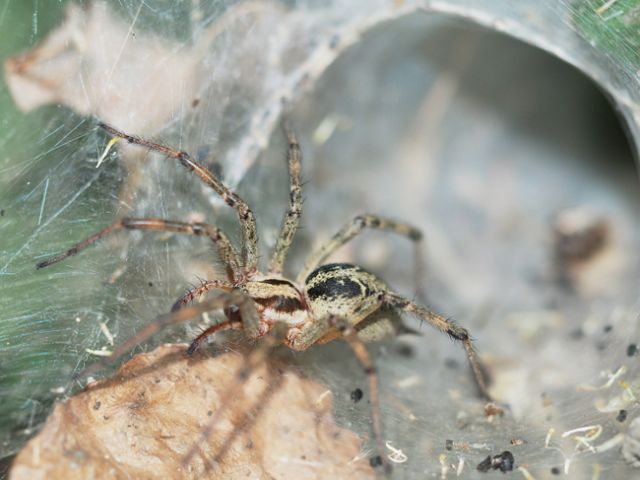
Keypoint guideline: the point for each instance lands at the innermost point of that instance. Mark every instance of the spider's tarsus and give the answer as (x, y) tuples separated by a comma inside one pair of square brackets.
[(177, 305), (51, 261), (193, 348), (378, 461)]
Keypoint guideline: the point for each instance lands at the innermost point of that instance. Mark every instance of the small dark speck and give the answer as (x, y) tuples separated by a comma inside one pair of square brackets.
[(375, 461), (607, 328), (632, 349), (622, 416), (555, 471), (356, 395), (209, 413), (150, 284), (2, 213), (577, 334), (405, 350), (503, 462), (451, 363), (448, 444), (195, 102), (96, 406)]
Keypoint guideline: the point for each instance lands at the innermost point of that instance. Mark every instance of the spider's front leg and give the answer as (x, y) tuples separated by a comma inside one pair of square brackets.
[(195, 293), (241, 314), (247, 220), (292, 215), (225, 250)]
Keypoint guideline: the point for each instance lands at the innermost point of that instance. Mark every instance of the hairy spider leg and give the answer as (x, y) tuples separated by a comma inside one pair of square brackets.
[(245, 215), (246, 307), (350, 335), (225, 249), (255, 358), (449, 327), (327, 326), (292, 215), (196, 292), (354, 228)]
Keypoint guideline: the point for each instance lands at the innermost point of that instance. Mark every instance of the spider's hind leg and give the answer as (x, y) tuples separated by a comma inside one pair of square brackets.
[(449, 327), (356, 227)]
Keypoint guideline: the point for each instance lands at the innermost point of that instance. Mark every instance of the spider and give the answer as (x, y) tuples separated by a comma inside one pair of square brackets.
[(324, 302)]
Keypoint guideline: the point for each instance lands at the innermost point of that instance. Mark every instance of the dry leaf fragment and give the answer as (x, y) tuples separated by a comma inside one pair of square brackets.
[(141, 423)]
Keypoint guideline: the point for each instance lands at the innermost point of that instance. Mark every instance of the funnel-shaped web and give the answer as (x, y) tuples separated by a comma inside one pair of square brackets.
[(509, 160)]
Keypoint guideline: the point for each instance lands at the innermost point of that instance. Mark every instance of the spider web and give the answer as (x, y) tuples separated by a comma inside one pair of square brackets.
[(414, 110)]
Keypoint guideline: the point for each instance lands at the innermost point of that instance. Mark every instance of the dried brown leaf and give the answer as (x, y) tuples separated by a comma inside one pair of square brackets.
[(142, 422)]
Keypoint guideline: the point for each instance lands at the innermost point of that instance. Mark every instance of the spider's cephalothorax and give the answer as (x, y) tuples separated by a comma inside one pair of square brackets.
[(326, 301)]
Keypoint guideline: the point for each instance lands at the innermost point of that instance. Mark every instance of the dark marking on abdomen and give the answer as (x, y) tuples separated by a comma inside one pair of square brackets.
[(335, 287)]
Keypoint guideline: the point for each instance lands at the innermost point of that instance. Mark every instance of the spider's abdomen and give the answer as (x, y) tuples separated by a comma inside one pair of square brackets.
[(341, 289)]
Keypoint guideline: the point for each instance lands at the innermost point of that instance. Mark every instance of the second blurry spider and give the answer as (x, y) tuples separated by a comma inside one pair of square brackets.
[(324, 302)]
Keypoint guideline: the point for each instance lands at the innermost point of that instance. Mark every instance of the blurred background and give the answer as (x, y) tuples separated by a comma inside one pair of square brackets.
[(506, 132)]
